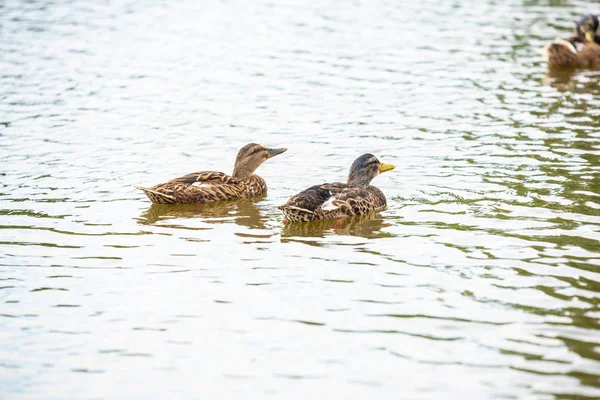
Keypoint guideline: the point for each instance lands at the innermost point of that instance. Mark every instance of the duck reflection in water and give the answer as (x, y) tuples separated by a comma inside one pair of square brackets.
[(243, 213), (366, 225), (559, 78), (572, 80)]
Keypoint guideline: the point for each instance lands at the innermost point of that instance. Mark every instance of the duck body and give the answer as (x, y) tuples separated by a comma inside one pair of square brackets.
[(338, 200), (589, 56), (204, 187), (562, 54), (332, 201), (210, 186)]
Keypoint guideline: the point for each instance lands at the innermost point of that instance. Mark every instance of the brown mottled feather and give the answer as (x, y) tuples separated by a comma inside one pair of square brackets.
[(308, 204), (560, 55), (204, 187), (589, 56)]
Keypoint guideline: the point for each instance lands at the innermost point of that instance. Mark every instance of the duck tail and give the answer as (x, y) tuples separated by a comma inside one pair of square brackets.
[(296, 214), (566, 44), (157, 197)]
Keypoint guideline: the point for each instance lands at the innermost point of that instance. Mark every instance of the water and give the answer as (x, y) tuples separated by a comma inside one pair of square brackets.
[(480, 280)]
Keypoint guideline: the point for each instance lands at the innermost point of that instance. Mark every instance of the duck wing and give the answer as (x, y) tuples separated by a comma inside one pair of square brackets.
[(313, 197), (197, 187), (206, 177), (302, 206), (353, 201)]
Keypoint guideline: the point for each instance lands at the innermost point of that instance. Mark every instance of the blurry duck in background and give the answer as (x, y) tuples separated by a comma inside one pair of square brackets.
[(337, 200), (211, 186), (579, 51)]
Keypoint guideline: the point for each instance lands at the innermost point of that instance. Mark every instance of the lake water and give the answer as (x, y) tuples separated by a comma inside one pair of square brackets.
[(480, 280)]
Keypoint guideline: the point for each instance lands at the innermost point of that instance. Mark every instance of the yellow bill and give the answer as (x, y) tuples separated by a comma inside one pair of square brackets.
[(385, 167), (590, 36)]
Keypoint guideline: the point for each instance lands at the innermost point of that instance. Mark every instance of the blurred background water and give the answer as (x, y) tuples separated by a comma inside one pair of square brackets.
[(480, 280)]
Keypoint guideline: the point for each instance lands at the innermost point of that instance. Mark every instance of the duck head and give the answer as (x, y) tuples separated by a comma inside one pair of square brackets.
[(364, 169), (587, 27), (250, 157)]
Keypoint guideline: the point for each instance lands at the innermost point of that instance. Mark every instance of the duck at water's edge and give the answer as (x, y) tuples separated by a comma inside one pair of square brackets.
[(210, 186), (337, 200)]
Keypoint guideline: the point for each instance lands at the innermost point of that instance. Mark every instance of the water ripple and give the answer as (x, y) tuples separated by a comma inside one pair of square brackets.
[(484, 265)]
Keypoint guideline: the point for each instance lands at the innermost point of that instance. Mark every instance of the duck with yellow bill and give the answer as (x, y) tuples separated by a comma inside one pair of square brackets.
[(337, 200), (579, 51)]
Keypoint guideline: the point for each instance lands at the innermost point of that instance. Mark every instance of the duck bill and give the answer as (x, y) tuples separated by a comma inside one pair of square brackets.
[(275, 152), (385, 167), (590, 36)]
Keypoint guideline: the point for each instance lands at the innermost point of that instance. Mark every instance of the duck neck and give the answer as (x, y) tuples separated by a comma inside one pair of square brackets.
[(360, 181), (241, 173)]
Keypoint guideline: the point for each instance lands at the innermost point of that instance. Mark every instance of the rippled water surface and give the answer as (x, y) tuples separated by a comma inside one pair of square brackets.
[(480, 280)]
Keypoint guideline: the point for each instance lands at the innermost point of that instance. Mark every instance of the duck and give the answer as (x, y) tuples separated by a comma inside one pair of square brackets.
[(338, 200), (211, 186), (563, 54), (579, 51)]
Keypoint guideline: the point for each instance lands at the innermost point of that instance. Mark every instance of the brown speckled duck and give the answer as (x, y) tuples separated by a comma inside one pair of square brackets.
[(210, 186), (579, 51), (337, 200)]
